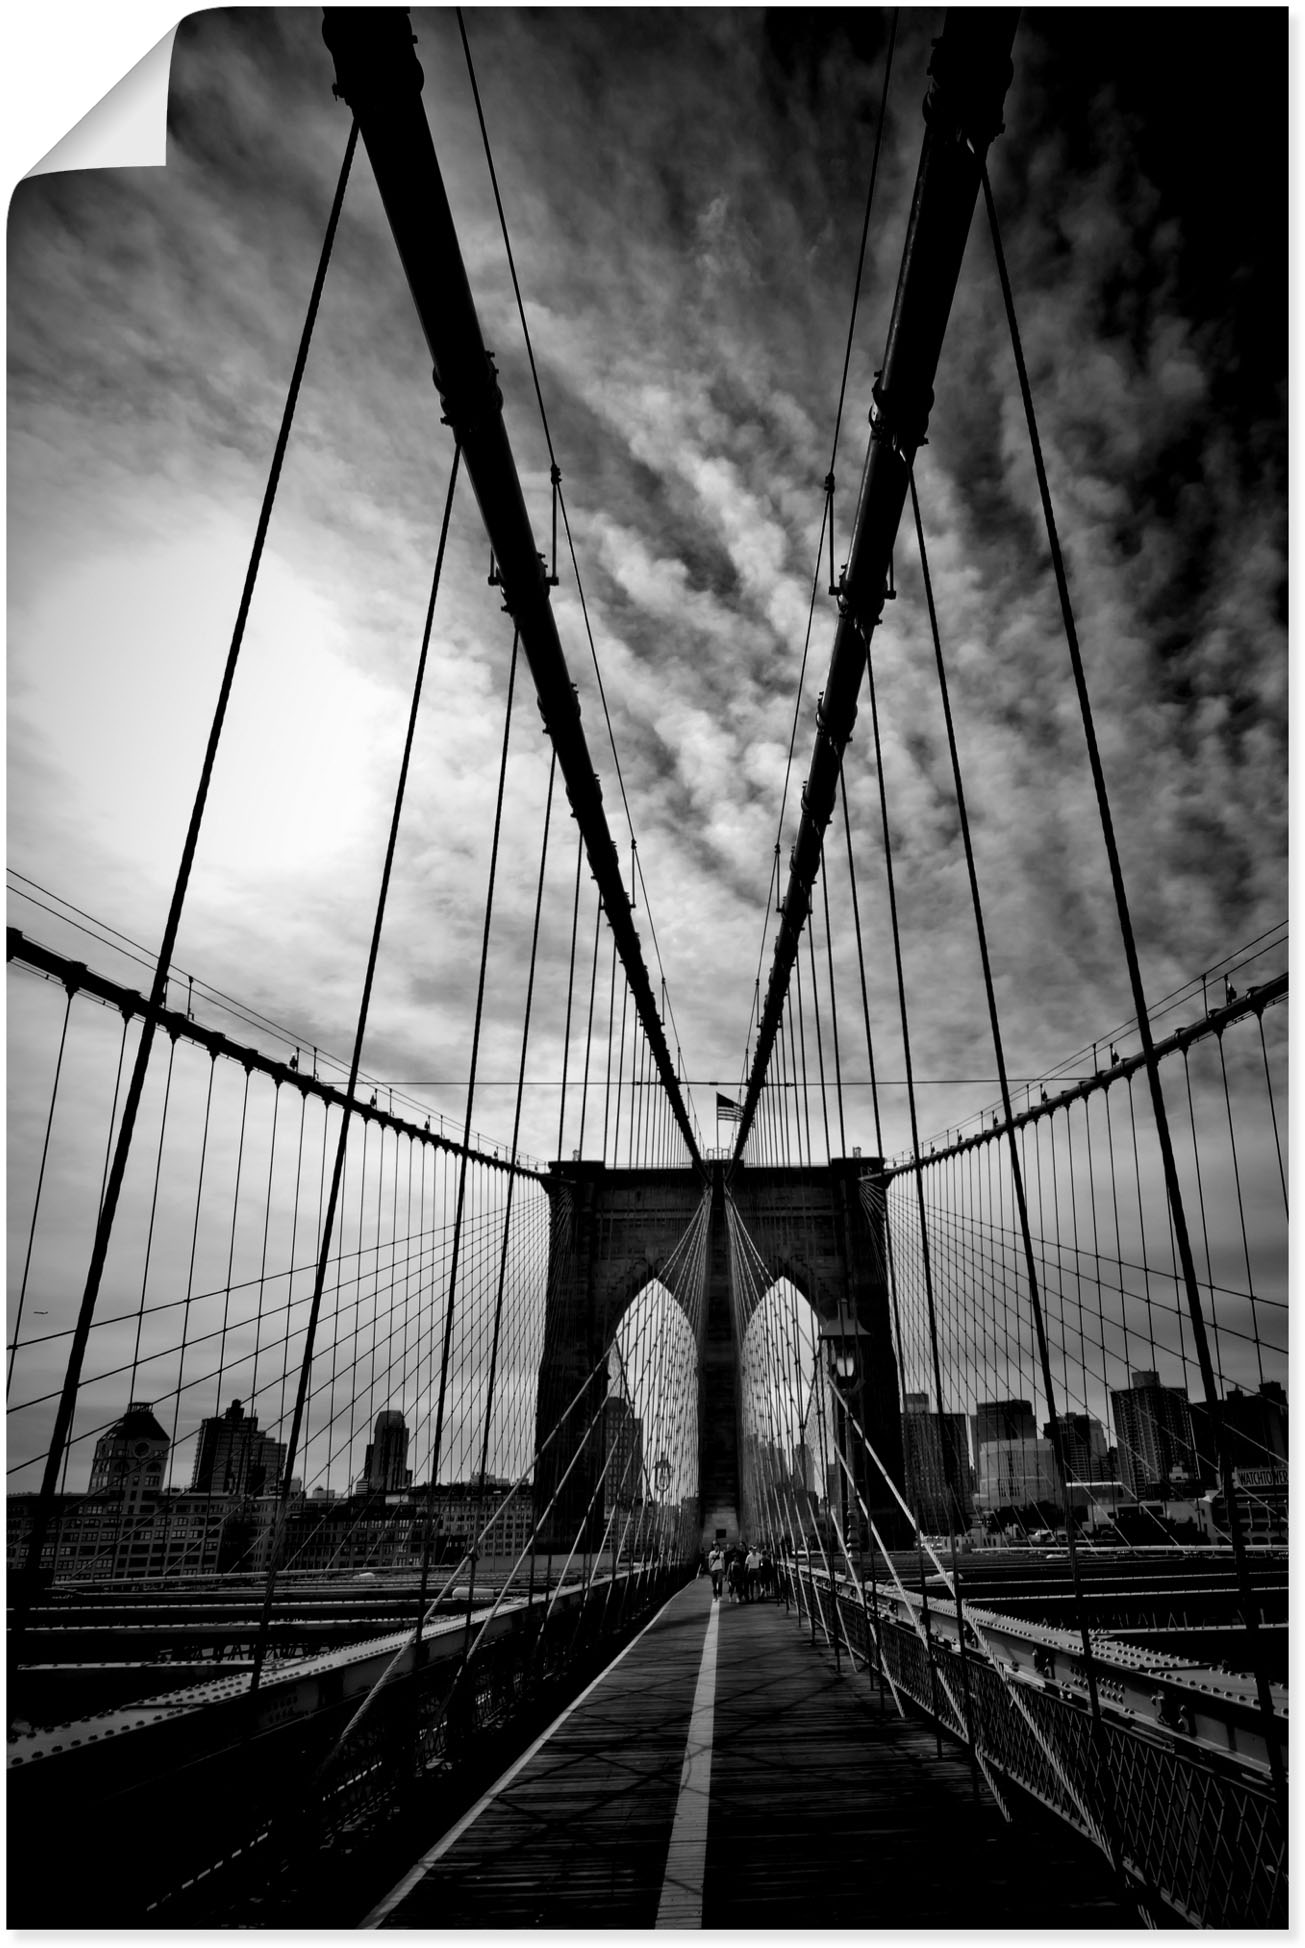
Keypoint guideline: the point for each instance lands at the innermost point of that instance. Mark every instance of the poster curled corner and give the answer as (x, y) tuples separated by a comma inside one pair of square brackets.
[(128, 127)]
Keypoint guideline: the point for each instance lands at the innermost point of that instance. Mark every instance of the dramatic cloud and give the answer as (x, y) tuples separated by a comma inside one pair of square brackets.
[(685, 194)]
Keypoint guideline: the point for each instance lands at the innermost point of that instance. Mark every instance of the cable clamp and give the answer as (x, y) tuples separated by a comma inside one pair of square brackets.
[(903, 433), (835, 588), (474, 406), (967, 95), (555, 476)]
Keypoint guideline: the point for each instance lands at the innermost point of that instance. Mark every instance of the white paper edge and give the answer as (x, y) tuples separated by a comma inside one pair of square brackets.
[(128, 128), (84, 86)]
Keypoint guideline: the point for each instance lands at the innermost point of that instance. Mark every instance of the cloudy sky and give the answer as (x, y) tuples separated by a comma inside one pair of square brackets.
[(684, 193)]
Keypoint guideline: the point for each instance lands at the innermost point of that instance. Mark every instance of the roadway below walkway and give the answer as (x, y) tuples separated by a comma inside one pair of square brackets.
[(722, 1773)]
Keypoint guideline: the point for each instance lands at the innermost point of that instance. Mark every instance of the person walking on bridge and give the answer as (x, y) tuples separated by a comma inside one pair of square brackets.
[(715, 1564), (737, 1576)]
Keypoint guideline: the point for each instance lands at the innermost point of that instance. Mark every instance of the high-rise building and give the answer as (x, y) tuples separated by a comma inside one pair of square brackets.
[(233, 1458), (774, 1468), (129, 1460), (622, 1453), (1255, 1428), (1084, 1445), (1016, 1474), (385, 1464), (1001, 1420), (101, 1538), (1153, 1426), (933, 1444), (1262, 1499)]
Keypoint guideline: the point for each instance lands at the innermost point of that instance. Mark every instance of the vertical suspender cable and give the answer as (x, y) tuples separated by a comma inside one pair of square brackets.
[(1214, 1406), (589, 1031), (262, 1265), (1200, 1193), (231, 1242), (620, 1072), (1273, 1110), (328, 1222), (802, 1042), (516, 1135), (793, 1064), (820, 1046), (860, 961), (113, 1110), (949, 1457), (1241, 1210), (833, 1003), (611, 1024), (154, 1208), (570, 988), (451, 1295), (190, 1275), (40, 1180), (1109, 1810), (135, 1089)]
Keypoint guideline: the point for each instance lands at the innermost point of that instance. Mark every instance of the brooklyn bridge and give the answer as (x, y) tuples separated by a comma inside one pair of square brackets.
[(731, 1490)]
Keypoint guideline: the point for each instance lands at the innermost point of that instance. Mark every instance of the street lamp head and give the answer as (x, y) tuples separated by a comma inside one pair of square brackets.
[(841, 1339)]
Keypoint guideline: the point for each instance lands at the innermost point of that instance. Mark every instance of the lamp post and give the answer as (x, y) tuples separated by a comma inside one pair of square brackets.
[(662, 1478), (841, 1343)]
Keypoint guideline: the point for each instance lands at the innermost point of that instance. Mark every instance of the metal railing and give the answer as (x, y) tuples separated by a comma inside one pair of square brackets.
[(247, 1798), (1201, 1834)]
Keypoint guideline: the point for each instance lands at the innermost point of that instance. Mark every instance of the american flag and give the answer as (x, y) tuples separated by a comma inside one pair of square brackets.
[(727, 1111)]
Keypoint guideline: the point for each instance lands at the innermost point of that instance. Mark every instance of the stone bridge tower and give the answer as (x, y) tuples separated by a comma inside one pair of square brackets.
[(612, 1231)]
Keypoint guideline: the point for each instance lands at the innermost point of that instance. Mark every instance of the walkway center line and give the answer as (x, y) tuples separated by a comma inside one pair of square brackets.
[(391, 1900), (686, 1859)]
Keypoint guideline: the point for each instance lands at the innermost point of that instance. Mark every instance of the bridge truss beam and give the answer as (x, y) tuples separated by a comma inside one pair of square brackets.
[(1253, 1002), (380, 78), (971, 72), (77, 978)]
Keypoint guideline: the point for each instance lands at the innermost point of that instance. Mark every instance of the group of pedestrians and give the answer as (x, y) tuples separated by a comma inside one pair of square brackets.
[(743, 1573)]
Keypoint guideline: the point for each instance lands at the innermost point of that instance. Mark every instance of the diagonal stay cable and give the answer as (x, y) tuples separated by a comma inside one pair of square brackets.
[(865, 233), (471, 1080), (827, 518), (1173, 1186), (136, 1086), (516, 1129), (1109, 1808), (337, 1172), (555, 473), (40, 1185)]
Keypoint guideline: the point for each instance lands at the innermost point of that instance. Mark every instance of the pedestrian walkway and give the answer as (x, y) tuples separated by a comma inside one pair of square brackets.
[(722, 1773)]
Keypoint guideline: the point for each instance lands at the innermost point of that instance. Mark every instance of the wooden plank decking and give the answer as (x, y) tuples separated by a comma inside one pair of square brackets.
[(823, 1810)]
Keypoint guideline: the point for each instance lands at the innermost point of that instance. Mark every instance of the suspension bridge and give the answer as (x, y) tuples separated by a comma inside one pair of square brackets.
[(369, 1475)]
